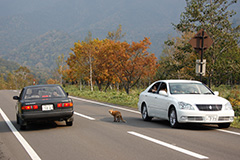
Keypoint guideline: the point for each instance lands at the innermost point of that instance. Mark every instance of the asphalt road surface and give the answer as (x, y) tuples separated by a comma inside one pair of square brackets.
[(94, 136)]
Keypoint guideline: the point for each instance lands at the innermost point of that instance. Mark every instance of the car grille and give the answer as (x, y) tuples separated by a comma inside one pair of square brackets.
[(194, 118), (224, 118), (209, 107)]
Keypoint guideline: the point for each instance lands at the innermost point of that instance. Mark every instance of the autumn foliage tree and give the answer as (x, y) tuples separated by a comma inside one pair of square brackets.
[(133, 62), (111, 61)]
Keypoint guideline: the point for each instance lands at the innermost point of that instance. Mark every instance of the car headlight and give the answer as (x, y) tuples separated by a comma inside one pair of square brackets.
[(187, 106), (228, 106)]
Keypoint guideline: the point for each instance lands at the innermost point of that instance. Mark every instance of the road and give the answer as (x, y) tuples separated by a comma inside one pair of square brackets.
[(94, 136)]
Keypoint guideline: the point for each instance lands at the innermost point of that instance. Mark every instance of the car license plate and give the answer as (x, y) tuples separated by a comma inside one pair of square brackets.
[(48, 107), (211, 118)]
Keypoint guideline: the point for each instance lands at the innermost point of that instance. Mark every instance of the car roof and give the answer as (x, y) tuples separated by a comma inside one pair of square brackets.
[(42, 85), (179, 81)]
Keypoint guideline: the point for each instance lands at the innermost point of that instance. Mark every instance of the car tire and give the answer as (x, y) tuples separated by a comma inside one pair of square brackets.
[(69, 123), (224, 125), (173, 118), (23, 127), (18, 121), (22, 123), (145, 116)]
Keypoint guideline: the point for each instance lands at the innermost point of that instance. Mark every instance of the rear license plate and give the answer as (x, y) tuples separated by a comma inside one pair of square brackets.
[(48, 107)]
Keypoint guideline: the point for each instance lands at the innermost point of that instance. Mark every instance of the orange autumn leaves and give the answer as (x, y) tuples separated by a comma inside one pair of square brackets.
[(108, 62)]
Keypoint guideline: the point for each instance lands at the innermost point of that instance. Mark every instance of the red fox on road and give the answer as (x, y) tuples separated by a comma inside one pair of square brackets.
[(117, 116)]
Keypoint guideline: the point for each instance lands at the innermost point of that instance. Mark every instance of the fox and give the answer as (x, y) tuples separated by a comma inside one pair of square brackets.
[(117, 116)]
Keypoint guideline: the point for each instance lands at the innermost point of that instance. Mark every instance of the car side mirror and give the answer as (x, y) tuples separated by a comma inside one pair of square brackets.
[(16, 98), (216, 93), (162, 92), (67, 94)]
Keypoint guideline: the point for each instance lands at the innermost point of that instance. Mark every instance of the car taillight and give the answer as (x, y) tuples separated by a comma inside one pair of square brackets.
[(30, 107), (69, 104)]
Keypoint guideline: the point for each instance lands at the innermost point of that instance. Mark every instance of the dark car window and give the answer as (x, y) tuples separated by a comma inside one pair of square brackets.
[(163, 87), (154, 88), (22, 94), (44, 92)]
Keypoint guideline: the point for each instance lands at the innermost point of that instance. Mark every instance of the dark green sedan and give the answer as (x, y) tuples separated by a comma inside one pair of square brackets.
[(43, 103)]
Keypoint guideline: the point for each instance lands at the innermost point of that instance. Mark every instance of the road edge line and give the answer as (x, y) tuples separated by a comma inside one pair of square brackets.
[(20, 138), (103, 104)]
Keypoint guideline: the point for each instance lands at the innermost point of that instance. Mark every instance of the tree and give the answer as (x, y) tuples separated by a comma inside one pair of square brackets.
[(117, 35), (177, 60), (23, 77), (61, 67), (213, 16), (104, 71), (3, 83), (83, 58), (133, 62)]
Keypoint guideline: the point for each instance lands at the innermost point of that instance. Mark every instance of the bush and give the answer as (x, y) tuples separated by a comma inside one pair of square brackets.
[(232, 94)]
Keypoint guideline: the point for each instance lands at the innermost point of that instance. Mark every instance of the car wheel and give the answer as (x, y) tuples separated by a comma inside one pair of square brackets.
[(23, 127), (69, 123), (145, 116), (173, 118), (223, 125), (22, 123), (17, 119)]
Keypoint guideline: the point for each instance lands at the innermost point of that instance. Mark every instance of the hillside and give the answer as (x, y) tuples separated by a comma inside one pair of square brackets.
[(43, 51), (7, 66), (45, 29), (34, 33)]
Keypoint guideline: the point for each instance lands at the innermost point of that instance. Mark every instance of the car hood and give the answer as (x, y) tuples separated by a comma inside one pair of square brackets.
[(200, 99)]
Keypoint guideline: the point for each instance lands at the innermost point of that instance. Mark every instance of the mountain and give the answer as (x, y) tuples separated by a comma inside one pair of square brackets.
[(47, 28), (42, 51), (35, 33), (7, 66)]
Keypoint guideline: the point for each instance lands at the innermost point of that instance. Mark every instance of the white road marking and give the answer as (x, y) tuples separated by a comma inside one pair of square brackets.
[(103, 104), (84, 116), (20, 138), (231, 132), (196, 155)]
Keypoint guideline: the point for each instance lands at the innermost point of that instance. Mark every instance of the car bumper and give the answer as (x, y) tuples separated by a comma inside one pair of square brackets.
[(187, 116), (47, 116)]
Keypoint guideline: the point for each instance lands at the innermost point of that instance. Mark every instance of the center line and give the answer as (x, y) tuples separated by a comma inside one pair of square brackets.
[(169, 145), (84, 116)]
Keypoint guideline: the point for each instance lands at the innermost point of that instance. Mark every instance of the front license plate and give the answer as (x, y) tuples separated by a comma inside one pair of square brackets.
[(211, 117), (48, 107)]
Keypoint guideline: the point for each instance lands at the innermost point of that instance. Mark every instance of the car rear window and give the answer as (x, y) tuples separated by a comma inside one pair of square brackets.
[(44, 92)]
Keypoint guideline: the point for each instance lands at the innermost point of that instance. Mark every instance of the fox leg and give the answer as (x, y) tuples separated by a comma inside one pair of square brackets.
[(115, 119)]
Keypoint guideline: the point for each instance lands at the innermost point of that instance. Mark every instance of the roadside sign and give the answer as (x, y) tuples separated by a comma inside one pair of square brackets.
[(198, 39), (200, 42), (198, 67)]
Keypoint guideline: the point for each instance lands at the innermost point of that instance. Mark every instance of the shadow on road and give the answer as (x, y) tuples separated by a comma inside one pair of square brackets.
[(158, 123), (31, 127)]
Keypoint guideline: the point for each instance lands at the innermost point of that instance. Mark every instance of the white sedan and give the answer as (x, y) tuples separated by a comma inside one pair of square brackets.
[(184, 101)]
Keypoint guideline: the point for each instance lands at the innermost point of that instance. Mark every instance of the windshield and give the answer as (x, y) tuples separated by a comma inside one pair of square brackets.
[(188, 88), (44, 92)]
